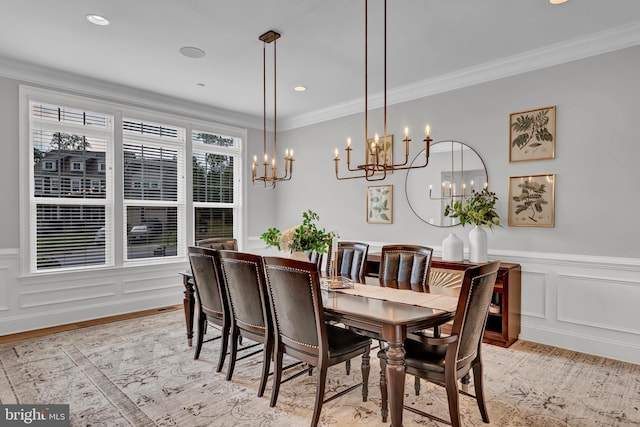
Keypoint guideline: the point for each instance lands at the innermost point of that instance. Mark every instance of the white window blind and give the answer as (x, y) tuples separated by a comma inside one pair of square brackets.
[(215, 166), (70, 215), (153, 172)]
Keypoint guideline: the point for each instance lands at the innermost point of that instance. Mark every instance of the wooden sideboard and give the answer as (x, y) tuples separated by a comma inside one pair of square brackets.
[(503, 324)]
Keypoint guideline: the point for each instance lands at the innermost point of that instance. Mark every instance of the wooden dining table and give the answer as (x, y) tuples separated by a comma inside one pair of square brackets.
[(384, 311)]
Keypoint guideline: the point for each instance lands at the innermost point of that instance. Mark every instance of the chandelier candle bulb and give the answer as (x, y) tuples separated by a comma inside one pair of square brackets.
[(336, 154)]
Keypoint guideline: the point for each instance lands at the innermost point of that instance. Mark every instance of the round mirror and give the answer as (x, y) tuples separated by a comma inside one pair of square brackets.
[(454, 171)]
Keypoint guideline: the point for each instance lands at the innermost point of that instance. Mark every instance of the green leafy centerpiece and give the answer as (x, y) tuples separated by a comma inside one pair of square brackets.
[(478, 210), (306, 237)]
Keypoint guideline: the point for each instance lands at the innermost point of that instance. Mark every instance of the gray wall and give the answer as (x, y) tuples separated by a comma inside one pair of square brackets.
[(9, 207), (596, 153)]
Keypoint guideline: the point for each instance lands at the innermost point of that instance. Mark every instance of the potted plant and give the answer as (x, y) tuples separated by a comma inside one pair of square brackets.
[(306, 237), (478, 210)]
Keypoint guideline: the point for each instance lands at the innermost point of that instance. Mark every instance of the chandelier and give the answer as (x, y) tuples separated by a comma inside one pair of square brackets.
[(270, 174), (379, 151)]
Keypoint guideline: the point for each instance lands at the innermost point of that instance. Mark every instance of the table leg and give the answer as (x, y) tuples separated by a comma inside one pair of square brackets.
[(189, 307), (395, 372)]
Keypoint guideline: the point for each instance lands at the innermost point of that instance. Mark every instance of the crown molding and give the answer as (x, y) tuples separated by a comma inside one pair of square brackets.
[(583, 47), (83, 85)]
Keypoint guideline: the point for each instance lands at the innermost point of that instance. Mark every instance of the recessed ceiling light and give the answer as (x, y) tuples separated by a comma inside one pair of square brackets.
[(557, 1), (192, 52), (97, 19), (299, 88)]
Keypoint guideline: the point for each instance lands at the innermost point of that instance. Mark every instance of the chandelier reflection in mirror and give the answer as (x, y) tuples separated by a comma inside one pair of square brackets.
[(379, 155), (454, 185), (270, 174)]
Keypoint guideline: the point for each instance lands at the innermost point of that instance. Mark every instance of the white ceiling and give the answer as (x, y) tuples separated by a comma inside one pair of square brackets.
[(322, 44)]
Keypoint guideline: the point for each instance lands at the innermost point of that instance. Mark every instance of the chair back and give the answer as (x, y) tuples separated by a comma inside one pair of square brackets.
[(205, 267), (316, 258), (220, 243), (243, 279), (296, 307), (405, 267), (472, 310), (351, 259)]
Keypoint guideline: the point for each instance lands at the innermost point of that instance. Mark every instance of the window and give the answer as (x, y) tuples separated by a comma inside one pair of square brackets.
[(153, 158), (49, 165), (215, 163), (77, 166), (65, 215), (76, 151)]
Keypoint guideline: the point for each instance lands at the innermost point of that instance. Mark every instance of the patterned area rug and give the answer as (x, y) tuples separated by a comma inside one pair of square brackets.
[(140, 372)]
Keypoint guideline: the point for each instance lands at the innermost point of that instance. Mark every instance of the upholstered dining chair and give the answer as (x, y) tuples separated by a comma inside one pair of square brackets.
[(445, 360), (301, 332), (405, 267), (211, 297), (351, 259), (243, 279), (220, 243), (402, 267)]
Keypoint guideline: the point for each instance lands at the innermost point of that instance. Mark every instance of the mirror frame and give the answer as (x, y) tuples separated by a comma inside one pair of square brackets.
[(421, 154)]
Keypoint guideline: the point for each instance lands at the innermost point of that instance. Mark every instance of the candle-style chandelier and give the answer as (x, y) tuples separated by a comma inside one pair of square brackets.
[(379, 157), (270, 178)]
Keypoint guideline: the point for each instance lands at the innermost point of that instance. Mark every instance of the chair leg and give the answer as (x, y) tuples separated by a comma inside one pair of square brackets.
[(277, 376), (202, 322), (266, 364), (366, 368), (223, 347), (322, 379), (234, 353), (347, 366), (384, 401), (416, 385), (451, 384), (477, 384)]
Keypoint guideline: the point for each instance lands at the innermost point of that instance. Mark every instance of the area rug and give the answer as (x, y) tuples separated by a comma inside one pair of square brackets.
[(141, 372)]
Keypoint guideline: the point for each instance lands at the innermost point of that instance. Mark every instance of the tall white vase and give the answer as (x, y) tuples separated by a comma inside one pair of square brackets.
[(453, 248), (478, 245)]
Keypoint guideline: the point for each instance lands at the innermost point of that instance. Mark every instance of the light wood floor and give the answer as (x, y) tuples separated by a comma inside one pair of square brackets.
[(77, 325)]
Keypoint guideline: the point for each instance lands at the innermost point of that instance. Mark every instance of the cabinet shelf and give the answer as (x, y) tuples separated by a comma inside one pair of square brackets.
[(503, 327)]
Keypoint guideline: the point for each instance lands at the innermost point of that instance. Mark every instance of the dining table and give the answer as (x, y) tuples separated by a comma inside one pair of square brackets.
[(391, 313)]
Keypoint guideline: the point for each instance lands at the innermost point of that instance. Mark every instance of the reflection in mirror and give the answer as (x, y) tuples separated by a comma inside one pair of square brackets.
[(455, 170)]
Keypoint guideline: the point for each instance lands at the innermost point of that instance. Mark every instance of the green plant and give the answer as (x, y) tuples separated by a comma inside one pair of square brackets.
[(306, 237), (479, 209)]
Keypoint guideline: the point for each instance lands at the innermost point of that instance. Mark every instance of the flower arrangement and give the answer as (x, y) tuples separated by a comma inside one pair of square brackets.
[(306, 237), (477, 209)]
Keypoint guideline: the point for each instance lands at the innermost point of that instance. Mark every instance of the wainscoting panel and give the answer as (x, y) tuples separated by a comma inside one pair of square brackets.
[(534, 294), (153, 284), (61, 293), (4, 288), (599, 302)]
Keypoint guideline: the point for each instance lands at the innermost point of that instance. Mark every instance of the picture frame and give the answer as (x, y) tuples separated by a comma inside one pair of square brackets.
[(532, 135), (532, 200), (387, 148), (380, 204)]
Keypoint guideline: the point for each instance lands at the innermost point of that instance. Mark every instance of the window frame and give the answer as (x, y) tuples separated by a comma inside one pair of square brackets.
[(112, 170)]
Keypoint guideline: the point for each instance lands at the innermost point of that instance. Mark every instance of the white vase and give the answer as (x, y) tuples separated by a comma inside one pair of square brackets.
[(452, 248), (478, 245)]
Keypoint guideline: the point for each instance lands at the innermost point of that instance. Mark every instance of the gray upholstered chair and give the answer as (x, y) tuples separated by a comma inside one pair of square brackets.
[(211, 298), (301, 331), (351, 259), (243, 279), (405, 267), (445, 360), (220, 243)]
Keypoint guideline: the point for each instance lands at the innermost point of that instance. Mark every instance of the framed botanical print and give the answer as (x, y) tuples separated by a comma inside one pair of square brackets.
[(380, 204), (532, 135), (532, 200), (385, 148)]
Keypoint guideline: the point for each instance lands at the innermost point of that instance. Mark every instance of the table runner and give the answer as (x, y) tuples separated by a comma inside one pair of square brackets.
[(423, 299)]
